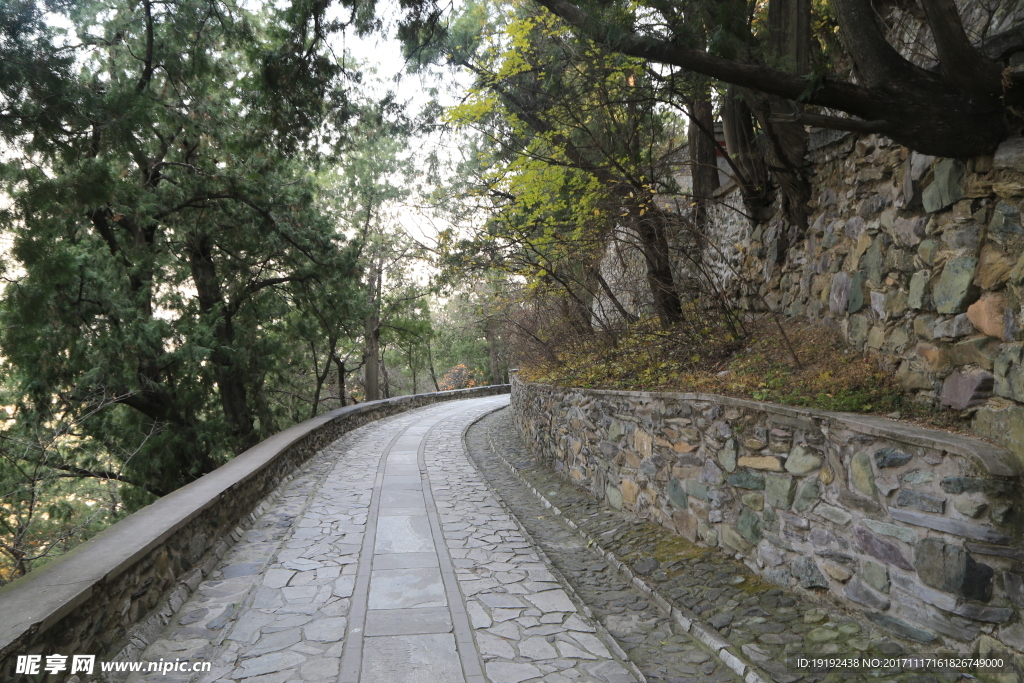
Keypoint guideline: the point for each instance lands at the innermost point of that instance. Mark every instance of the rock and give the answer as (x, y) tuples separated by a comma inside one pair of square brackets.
[(918, 477), (837, 572), (927, 250), (911, 379), (694, 488), (807, 573), (875, 575), (952, 569), (876, 337), (764, 462), (963, 390), (807, 495), (854, 227), (994, 268), (901, 533), (966, 238), (880, 549), (970, 508), (833, 514), (935, 358), (754, 501), (727, 456), (1005, 224), (918, 284), (987, 314), (859, 592), (955, 289), (921, 501), (1014, 586), (981, 351), (878, 304), (947, 186), (950, 526), (646, 566), (779, 491), (749, 527), (821, 635), (855, 300), (901, 628), (746, 480), (957, 326), (909, 231), (839, 294), (924, 326), (874, 259), (710, 474), (676, 493), (858, 326), (871, 206), (1004, 425), (1010, 154), (614, 497), (891, 457), (862, 476), (1009, 373), (629, 492), (898, 340), (958, 485), (802, 462), (771, 555), (732, 539)]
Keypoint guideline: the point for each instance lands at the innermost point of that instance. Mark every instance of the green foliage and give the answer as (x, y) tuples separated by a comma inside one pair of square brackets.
[(165, 225)]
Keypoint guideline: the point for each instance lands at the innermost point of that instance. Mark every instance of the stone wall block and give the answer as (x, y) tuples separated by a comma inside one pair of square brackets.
[(947, 187), (955, 290), (779, 491), (987, 314), (952, 569), (963, 390), (850, 533)]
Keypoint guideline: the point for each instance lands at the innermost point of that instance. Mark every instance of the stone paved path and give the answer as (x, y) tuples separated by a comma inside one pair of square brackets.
[(386, 559), (766, 626)]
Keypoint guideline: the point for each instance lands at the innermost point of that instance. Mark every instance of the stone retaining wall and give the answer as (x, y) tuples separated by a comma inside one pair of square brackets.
[(916, 259), (917, 528), (114, 594)]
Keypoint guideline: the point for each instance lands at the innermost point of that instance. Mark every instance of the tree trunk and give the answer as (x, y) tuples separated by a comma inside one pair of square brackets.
[(492, 351), (384, 374), (227, 374), (703, 157), (341, 381), (651, 229), (430, 364), (371, 358)]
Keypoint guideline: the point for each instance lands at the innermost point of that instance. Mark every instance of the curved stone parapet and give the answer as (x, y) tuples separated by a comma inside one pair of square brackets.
[(918, 528), (114, 593)]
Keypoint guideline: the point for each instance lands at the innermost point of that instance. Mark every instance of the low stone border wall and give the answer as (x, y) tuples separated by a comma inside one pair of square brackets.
[(917, 528), (105, 596)]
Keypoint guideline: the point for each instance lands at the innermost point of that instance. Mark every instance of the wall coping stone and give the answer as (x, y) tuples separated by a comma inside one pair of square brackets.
[(997, 460), (41, 598)]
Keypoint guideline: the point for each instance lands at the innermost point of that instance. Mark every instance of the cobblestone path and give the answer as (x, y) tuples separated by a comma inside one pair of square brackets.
[(393, 556), (765, 626), (389, 559)]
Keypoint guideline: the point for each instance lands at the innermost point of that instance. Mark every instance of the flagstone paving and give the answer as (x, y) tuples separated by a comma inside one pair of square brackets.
[(388, 558), (408, 551)]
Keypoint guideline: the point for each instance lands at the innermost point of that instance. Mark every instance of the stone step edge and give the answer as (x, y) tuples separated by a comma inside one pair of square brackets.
[(607, 638), (686, 619)]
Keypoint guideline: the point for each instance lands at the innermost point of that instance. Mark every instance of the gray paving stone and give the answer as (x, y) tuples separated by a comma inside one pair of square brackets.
[(412, 659), (403, 588), (399, 622), (403, 535)]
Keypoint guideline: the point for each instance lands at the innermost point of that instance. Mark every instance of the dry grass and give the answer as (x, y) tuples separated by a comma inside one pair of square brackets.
[(830, 376)]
